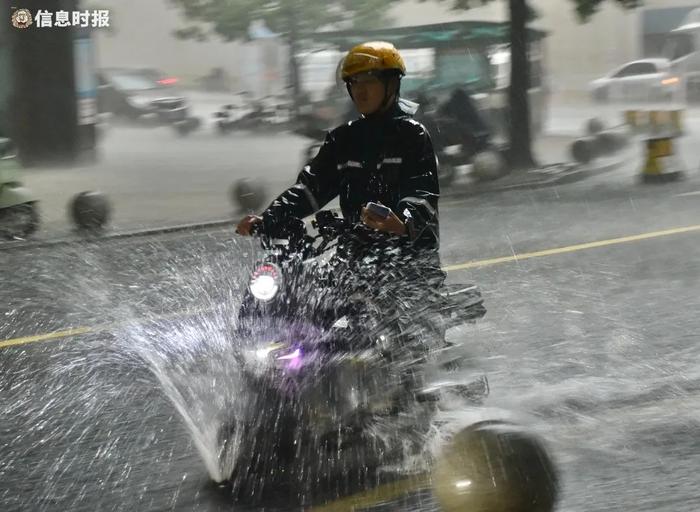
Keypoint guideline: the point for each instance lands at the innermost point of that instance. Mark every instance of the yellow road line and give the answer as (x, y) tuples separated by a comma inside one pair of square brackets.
[(571, 248), (47, 337), (381, 494), (77, 331), (450, 268)]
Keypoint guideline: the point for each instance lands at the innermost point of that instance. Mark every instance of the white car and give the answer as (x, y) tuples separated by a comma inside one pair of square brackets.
[(641, 80)]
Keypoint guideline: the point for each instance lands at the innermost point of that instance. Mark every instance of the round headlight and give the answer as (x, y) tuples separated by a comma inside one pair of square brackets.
[(265, 282)]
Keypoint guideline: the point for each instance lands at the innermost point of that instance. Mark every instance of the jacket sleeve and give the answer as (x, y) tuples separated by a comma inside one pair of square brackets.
[(317, 184), (420, 191)]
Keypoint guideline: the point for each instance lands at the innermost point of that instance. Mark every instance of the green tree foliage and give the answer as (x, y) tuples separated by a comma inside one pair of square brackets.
[(587, 8), (230, 19)]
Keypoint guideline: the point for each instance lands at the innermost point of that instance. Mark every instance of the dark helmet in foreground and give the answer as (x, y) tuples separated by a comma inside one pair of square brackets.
[(493, 466)]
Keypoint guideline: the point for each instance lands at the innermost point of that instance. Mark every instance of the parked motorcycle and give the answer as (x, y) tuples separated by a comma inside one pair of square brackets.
[(265, 114), (19, 215)]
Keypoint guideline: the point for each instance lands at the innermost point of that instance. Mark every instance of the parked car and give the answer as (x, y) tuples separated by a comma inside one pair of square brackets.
[(641, 80), (158, 76), (682, 46), (135, 93)]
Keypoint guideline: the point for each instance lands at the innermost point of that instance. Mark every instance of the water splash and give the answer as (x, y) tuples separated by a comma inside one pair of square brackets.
[(164, 316)]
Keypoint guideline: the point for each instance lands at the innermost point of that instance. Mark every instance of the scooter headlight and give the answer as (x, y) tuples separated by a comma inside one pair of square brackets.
[(265, 282)]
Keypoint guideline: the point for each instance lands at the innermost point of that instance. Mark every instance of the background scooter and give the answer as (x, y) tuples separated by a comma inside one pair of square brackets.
[(19, 216)]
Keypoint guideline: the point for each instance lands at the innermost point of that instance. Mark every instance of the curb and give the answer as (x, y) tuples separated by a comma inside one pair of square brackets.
[(96, 238), (572, 173)]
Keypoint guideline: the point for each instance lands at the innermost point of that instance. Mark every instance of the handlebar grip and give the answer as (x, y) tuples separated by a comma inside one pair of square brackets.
[(257, 229), (379, 209)]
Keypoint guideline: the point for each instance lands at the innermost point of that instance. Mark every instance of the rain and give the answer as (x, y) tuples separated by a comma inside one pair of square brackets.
[(153, 357)]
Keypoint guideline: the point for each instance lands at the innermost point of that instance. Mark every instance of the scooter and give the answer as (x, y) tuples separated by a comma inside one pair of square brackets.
[(19, 216), (334, 373)]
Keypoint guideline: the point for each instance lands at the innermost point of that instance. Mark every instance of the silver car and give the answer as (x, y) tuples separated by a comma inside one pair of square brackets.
[(641, 80)]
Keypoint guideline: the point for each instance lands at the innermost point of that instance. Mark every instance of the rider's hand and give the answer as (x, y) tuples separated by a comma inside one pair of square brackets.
[(391, 224), (244, 226)]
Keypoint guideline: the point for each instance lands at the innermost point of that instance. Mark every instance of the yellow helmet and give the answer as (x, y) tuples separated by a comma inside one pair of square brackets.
[(493, 466), (371, 56)]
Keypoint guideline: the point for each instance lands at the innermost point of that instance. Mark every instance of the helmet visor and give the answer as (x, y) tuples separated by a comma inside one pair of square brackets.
[(364, 78), (359, 62)]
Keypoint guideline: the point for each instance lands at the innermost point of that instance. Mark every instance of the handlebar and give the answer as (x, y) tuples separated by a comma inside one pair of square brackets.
[(328, 224), (292, 238)]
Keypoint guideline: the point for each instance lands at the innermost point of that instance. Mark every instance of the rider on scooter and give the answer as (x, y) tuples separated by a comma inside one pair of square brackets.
[(384, 157)]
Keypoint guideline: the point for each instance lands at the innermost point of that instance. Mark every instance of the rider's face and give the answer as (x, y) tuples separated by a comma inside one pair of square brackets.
[(367, 92)]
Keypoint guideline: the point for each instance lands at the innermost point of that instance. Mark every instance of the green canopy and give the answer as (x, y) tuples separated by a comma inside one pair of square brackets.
[(438, 35)]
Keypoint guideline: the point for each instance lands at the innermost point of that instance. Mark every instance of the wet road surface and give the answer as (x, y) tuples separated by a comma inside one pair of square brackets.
[(594, 348)]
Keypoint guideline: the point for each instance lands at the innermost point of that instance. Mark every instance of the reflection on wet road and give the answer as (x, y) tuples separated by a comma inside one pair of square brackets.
[(595, 349)]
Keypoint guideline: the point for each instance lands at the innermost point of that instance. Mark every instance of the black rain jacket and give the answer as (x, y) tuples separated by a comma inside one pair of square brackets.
[(387, 158)]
